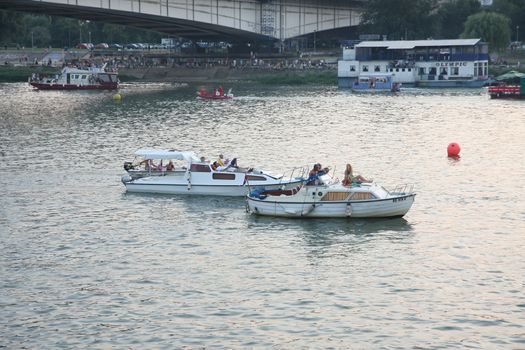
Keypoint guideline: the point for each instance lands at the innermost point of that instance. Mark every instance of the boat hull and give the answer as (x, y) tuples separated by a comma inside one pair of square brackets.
[(43, 86), (451, 83), (379, 208), (224, 97), (156, 184)]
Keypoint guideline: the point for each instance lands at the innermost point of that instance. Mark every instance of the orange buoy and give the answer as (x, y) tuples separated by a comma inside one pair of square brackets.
[(453, 150)]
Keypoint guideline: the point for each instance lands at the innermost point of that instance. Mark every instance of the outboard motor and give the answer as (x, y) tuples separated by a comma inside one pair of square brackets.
[(128, 166)]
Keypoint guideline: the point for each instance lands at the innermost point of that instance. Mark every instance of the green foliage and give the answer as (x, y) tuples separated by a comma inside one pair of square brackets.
[(16, 28), (515, 10), (400, 19), (452, 16), (9, 74), (491, 27)]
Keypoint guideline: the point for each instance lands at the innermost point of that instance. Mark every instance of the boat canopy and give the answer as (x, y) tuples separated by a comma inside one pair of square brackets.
[(189, 157), (411, 44)]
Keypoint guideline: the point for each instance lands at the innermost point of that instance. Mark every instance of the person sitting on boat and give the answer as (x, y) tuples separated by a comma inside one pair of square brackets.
[(221, 91), (349, 177), (148, 164), (316, 172), (214, 166), (204, 160), (170, 166), (221, 161)]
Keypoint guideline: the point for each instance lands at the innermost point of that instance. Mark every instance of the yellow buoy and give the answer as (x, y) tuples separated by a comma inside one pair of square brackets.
[(117, 97)]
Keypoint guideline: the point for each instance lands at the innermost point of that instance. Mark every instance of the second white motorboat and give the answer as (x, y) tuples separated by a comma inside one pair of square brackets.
[(332, 200), (196, 176)]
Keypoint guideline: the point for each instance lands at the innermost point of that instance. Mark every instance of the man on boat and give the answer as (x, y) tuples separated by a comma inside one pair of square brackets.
[(315, 173), (221, 91)]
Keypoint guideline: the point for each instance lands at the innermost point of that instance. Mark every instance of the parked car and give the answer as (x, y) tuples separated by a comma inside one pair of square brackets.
[(102, 46), (115, 46), (83, 46)]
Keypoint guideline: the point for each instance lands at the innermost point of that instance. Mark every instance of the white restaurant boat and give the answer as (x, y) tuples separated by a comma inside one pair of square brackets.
[(196, 177), (420, 63), (333, 200)]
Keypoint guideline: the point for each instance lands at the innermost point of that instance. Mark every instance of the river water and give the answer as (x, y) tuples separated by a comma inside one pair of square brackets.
[(86, 266)]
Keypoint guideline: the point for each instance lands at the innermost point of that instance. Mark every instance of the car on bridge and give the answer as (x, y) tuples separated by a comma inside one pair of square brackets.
[(85, 46)]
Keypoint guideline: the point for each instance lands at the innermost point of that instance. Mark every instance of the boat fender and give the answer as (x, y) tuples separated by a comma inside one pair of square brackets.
[(126, 178), (320, 194), (188, 178), (349, 210)]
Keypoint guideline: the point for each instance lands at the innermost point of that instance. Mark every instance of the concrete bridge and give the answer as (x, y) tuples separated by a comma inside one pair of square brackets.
[(209, 19)]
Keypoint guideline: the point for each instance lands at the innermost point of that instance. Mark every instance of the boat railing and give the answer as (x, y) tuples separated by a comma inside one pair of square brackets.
[(400, 190), (298, 172)]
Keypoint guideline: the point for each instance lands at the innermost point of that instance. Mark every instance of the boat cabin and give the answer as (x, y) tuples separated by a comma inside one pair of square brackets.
[(433, 63)]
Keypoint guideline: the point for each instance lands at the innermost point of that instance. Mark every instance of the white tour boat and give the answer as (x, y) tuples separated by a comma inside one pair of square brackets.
[(90, 78), (332, 200), (196, 176)]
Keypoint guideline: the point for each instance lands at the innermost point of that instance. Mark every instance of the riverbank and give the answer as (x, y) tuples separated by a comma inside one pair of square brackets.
[(193, 75), (225, 74), (10, 74)]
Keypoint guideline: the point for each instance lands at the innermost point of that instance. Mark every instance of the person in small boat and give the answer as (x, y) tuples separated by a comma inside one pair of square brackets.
[(204, 160), (221, 91), (170, 166), (214, 166), (349, 177)]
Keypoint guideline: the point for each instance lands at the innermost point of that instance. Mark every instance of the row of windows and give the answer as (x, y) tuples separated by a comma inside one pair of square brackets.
[(377, 68), (78, 76), (479, 69), (230, 176)]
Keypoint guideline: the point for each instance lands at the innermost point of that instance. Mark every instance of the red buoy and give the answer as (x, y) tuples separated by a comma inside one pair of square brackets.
[(453, 150)]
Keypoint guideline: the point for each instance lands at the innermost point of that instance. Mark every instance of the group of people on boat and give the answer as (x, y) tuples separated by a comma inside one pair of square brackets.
[(217, 92), (149, 165), (349, 177), (222, 163)]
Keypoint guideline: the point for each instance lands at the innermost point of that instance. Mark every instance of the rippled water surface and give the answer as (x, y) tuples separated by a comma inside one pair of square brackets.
[(86, 266)]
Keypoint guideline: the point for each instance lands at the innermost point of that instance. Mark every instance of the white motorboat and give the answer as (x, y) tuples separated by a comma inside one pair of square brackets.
[(330, 199), (91, 78), (196, 176)]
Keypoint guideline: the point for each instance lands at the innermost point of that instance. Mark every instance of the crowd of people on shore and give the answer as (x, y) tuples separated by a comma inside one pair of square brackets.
[(134, 61)]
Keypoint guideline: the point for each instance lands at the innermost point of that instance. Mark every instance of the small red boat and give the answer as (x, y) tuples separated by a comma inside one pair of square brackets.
[(217, 94)]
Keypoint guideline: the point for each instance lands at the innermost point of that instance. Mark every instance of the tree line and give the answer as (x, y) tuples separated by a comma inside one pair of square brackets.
[(28, 30), (498, 24)]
